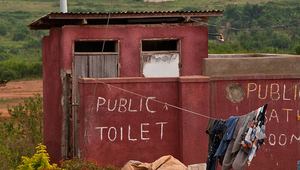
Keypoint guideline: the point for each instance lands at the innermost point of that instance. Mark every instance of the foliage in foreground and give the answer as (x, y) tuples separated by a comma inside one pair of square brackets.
[(76, 164), (21, 132), (40, 160)]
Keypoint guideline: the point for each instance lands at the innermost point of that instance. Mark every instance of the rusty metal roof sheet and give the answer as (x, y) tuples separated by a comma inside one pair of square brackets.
[(61, 19)]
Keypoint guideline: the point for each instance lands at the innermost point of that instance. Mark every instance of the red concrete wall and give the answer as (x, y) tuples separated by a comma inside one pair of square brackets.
[(58, 54), (194, 46), (194, 92), (52, 90), (181, 132), (165, 131), (282, 145), (127, 126)]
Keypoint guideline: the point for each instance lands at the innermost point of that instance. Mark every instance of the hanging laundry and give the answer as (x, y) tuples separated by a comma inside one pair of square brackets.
[(255, 134), (246, 154), (235, 144), (215, 135), (230, 127), (235, 141), (209, 127)]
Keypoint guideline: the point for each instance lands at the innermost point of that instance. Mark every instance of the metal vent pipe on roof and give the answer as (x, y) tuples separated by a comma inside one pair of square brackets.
[(63, 6)]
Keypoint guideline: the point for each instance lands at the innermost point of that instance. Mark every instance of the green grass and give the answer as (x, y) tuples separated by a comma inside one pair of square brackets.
[(120, 5), (9, 100), (8, 43)]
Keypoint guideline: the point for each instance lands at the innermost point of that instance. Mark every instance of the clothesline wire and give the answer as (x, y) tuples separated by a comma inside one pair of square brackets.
[(95, 88), (246, 29), (286, 91), (164, 103), (167, 104), (109, 85), (249, 29)]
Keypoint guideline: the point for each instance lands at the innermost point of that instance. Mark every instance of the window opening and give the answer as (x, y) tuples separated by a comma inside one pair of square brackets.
[(95, 46), (159, 45), (160, 58)]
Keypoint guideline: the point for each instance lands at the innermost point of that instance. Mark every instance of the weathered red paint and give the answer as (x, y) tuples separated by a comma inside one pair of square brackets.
[(184, 136), (193, 44), (58, 54), (282, 145), (125, 126), (52, 90)]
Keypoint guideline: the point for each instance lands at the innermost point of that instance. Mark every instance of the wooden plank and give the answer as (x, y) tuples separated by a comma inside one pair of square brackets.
[(103, 66), (111, 66), (90, 65), (65, 76), (80, 70)]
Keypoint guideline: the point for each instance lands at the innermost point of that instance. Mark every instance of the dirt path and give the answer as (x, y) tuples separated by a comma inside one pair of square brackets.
[(15, 91)]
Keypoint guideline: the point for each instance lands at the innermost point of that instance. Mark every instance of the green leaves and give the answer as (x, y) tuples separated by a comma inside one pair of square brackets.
[(90, 164), (21, 132), (297, 49), (12, 69), (38, 161)]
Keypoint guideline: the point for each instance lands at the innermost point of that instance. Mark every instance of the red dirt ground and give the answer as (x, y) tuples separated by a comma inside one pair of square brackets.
[(15, 91)]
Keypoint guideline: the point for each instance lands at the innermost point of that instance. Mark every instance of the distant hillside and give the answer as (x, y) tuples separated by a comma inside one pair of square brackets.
[(248, 26)]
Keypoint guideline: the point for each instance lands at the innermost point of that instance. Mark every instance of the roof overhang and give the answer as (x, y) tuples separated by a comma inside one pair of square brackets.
[(61, 19)]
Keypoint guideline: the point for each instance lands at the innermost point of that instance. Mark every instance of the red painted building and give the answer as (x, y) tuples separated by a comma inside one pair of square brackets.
[(145, 95)]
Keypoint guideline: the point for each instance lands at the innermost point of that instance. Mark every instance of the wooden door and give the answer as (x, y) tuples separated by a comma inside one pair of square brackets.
[(92, 65)]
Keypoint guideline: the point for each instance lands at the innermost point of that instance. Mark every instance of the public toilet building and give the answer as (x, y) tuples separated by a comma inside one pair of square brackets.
[(142, 86)]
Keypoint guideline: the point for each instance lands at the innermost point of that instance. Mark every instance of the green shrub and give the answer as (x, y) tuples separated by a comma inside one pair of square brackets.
[(14, 50), (21, 132), (8, 75), (3, 29), (40, 160), (76, 164), (11, 69), (297, 49), (20, 33), (32, 43), (19, 36), (224, 48)]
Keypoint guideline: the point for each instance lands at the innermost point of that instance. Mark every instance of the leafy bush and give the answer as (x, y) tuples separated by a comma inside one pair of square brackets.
[(3, 55), (14, 50), (11, 69), (32, 43), (39, 160), (3, 29), (19, 36), (21, 33), (76, 164), (297, 49), (224, 48), (21, 132)]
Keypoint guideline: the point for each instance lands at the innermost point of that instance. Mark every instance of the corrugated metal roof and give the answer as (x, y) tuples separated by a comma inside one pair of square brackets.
[(61, 19)]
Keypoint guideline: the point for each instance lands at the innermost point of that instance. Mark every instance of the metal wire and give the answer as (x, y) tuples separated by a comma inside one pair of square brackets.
[(95, 88)]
